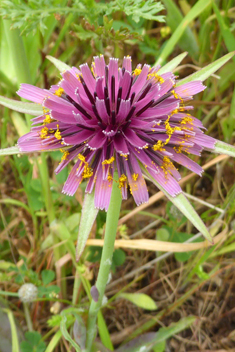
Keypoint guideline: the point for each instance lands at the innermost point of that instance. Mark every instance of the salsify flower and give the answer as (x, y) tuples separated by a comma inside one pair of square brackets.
[(110, 118)]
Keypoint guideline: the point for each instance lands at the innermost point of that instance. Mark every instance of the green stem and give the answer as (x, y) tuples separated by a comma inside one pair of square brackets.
[(105, 264), (27, 316)]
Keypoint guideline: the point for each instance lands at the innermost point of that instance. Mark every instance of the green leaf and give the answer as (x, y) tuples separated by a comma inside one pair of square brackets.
[(14, 335), (195, 11), (65, 333), (188, 40), (47, 276), (20, 106), (225, 30), (119, 257), (181, 202), (10, 151), (89, 213), (224, 148), (103, 332), (207, 71), (58, 64), (175, 328), (170, 66), (140, 299)]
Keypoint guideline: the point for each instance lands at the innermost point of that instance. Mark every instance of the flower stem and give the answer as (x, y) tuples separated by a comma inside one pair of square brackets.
[(27, 316), (106, 261)]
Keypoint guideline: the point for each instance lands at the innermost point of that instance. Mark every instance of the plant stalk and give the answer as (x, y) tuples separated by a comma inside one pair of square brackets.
[(105, 264)]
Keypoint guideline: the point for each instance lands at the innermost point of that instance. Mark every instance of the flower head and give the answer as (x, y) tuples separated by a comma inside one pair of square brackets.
[(108, 118), (28, 292)]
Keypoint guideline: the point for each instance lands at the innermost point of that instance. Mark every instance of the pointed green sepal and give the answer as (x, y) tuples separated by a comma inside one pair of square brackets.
[(207, 71), (224, 148), (170, 66), (59, 64), (21, 106), (89, 213), (182, 203), (10, 151)]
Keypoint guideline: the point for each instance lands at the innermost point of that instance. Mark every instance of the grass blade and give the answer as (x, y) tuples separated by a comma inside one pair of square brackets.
[(170, 66), (198, 8), (20, 106), (207, 71), (58, 64)]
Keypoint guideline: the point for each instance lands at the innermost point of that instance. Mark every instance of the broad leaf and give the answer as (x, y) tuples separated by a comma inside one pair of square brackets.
[(170, 66), (141, 300), (21, 106), (59, 64), (89, 213), (207, 71)]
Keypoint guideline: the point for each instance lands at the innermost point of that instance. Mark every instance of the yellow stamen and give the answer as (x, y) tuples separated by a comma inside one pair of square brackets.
[(159, 146), (59, 92), (108, 161), (47, 119), (58, 133), (135, 177), (87, 172), (177, 96), (137, 72), (65, 154), (156, 76), (122, 180), (44, 132)]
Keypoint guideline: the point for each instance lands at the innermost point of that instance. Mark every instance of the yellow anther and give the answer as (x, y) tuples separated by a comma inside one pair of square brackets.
[(156, 76), (186, 120), (109, 178), (44, 132), (176, 95), (87, 171), (159, 146), (124, 156), (135, 177), (137, 71), (65, 154), (108, 161), (167, 165), (59, 92), (47, 119), (58, 133), (122, 180)]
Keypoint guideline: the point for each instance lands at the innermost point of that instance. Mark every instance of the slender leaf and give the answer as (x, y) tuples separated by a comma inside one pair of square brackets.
[(66, 335), (175, 328), (15, 341), (170, 66), (58, 64), (10, 151), (224, 148), (20, 106), (89, 213), (103, 332), (188, 40), (195, 11), (207, 71), (229, 38), (181, 202)]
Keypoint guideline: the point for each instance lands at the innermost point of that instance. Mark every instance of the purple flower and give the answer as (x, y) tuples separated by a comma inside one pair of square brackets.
[(108, 118)]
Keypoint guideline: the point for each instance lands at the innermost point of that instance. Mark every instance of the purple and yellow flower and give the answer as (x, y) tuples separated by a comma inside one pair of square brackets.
[(108, 119)]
